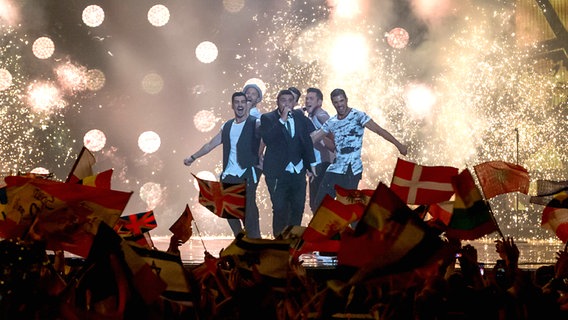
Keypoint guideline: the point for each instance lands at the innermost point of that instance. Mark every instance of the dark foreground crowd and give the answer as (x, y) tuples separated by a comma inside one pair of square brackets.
[(454, 287)]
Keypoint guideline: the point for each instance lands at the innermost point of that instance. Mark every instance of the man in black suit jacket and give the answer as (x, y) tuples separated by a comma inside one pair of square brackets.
[(289, 153)]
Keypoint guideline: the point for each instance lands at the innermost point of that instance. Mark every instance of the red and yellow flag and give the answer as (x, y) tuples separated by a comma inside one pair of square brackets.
[(65, 215)]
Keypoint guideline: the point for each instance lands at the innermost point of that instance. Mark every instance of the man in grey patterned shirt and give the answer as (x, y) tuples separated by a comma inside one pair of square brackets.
[(347, 127)]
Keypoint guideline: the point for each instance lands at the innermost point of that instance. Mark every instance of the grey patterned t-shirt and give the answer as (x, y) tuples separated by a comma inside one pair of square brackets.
[(348, 134)]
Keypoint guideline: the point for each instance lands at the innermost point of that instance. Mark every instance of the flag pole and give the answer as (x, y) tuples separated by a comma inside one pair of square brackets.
[(494, 220), (199, 234)]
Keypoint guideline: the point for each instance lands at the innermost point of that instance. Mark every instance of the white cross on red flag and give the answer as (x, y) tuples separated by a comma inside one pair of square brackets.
[(417, 184)]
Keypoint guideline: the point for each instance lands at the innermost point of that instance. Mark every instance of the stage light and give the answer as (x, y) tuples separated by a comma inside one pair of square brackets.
[(151, 194), (93, 16), (95, 79), (43, 48), (347, 8), (233, 5), (149, 141), (419, 99), (5, 79), (205, 120), (158, 15), (94, 140), (204, 175), (258, 82), (152, 83), (349, 53), (397, 38), (206, 52)]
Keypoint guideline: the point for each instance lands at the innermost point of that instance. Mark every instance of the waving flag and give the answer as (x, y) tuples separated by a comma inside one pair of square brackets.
[(329, 219), (182, 227), (471, 218), (546, 189), (357, 200), (226, 200), (416, 184), (99, 180), (499, 177), (389, 236), (65, 215), (136, 224), (555, 215), (83, 166)]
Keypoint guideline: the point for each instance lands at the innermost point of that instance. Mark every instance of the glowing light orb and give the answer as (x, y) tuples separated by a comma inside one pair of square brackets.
[(419, 99), (43, 48), (158, 15), (151, 193), (93, 16), (44, 96), (94, 140), (233, 5), (72, 77), (39, 170), (347, 8), (206, 52), (349, 53), (95, 79), (205, 120), (397, 38), (205, 175), (5, 79), (149, 142), (258, 82), (152, 83), (9, 12)]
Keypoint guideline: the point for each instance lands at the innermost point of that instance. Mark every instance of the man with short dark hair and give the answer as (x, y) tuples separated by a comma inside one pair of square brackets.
[(324, 149), (241, 141), (347, 127), (289, 153)]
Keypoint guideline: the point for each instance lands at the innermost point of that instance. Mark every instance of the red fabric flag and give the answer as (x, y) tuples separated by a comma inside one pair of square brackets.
[(357, 200), (441, 212), (329, 219), (471, 217), (100, 180), (65, 215), (499, 177), (83, 166), (182, 229), (555, 215), (416, 184), (223, 199), (135, 224), (389, 234)]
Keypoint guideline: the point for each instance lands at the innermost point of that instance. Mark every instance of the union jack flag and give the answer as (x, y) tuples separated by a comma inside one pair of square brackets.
[(225, 200), (135, 224)]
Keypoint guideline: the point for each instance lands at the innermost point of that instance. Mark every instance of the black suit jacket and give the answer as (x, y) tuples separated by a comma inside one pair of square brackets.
[(278, 150)]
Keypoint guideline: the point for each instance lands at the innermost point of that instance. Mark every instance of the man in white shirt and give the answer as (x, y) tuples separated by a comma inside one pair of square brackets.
[(240, 140)]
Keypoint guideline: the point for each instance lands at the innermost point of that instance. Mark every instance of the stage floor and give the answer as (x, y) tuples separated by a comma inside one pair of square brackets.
[(533, 253)]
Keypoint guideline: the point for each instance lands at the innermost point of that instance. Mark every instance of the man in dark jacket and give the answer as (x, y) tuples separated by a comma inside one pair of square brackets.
[(240, 141), (289, 154)]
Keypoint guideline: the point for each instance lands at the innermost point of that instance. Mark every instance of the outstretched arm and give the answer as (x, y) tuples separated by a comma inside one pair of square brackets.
[(205, 149), (373, 126)]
